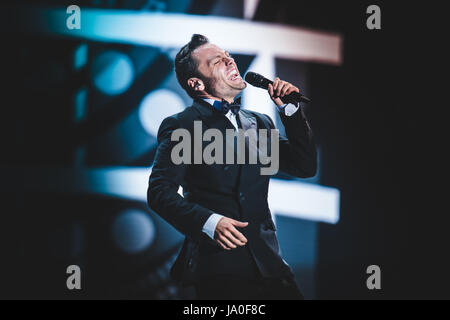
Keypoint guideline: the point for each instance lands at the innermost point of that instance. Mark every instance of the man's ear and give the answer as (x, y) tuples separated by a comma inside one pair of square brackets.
[(196, 84)]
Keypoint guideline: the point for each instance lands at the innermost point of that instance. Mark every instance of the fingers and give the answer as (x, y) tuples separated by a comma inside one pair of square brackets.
[(236, 240), (238, 223), (227, 242), (228, 236), (238, 235), (292, 89), (280, 88), (285, 88), (235, 232), (270, 89), (222, 245)]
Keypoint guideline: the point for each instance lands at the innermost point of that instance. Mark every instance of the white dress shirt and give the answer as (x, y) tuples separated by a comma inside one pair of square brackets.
[(230, 115), (210, 225)]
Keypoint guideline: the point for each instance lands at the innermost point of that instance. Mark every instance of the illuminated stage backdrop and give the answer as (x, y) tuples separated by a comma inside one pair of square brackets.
[(127, 57)]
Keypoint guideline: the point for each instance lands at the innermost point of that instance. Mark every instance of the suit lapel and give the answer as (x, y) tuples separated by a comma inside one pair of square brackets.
[(212, 118), (247, 120), (250, 122)]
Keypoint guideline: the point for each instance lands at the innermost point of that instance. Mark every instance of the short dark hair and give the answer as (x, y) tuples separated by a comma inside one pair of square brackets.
[(185, 65)]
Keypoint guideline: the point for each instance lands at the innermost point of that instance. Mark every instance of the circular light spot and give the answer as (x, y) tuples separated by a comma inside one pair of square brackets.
[(158, 105), (133, 231), (112, 72)]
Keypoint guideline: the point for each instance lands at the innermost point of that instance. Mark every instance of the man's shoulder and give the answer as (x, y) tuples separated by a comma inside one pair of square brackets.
[(180, 120), (184, 117)]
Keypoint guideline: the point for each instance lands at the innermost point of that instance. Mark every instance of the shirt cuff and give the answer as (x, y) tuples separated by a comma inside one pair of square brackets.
[(288, 109), (210, 225)]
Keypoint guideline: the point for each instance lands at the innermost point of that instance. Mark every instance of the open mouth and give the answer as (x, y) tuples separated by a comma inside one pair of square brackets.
[(234, 75)]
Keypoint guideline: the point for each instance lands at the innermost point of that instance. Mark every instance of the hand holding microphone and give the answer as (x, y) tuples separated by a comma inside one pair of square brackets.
[(280, 91)]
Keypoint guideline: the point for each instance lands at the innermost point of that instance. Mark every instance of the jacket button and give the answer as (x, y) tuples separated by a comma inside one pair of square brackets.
[(190, 263)]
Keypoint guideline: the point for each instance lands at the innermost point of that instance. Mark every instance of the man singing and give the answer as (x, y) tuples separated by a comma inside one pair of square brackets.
[(231, 250)]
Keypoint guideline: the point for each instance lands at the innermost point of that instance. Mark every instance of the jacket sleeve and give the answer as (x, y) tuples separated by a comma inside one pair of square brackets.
[(298, 156), (164, 182)]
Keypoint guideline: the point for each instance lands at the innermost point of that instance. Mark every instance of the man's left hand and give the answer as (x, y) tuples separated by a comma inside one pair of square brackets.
[(279, 89)]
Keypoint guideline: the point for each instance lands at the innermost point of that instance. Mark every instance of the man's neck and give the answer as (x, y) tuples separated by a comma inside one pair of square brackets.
[(208, 96)]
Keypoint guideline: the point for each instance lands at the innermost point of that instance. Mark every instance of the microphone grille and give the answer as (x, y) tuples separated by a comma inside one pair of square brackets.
[(255, 79), (252, 77)]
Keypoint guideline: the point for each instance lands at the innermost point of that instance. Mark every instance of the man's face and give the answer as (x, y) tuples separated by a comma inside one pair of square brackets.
[(219, 71)]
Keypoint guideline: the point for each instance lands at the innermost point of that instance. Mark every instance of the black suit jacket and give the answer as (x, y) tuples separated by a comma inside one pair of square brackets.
[(237, 191)]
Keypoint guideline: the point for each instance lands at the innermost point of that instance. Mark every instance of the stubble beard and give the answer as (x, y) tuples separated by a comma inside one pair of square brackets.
[(210, 85)]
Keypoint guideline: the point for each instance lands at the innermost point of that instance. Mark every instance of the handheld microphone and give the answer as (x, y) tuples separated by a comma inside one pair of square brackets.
[(257, 80)]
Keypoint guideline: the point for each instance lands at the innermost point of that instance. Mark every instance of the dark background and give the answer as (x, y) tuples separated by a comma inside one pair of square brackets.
[(372, 127)]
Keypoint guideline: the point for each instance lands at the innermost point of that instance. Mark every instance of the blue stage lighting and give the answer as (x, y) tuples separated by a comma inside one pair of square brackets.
[(158, 105), (112, 72), (133, 231)]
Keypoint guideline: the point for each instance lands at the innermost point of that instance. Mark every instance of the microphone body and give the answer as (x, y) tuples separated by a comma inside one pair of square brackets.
[(257, 80)]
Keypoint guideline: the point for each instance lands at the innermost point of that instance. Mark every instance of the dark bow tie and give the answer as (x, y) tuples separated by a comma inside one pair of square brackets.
[(234, 107)]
